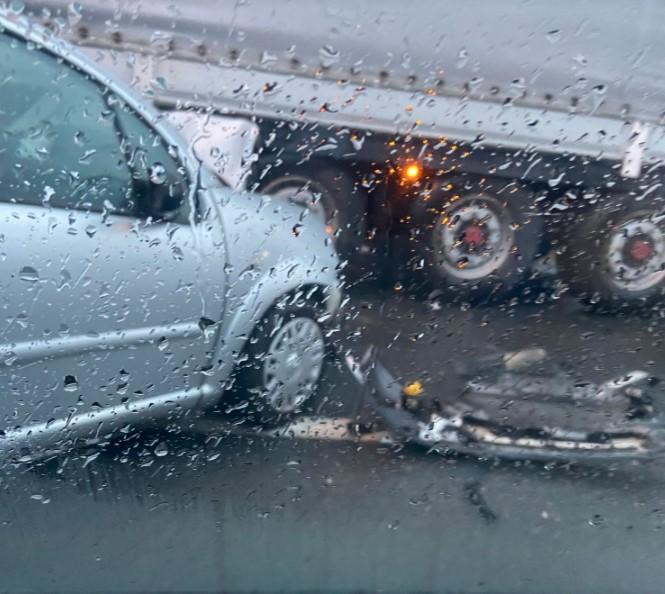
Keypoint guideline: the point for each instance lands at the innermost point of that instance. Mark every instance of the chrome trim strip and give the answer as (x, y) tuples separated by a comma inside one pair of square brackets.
[(34, 350)]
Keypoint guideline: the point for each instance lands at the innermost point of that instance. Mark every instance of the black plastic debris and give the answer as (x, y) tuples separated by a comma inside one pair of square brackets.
[(522, 405)]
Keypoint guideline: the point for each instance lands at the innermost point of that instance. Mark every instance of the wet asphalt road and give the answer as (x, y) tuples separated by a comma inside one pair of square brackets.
[(207, 511)]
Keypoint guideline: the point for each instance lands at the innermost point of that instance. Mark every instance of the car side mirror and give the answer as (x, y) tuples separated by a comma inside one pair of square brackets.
[(160, 195)]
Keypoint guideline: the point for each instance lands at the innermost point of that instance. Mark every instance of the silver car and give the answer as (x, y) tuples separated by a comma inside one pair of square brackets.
[(132, 280)]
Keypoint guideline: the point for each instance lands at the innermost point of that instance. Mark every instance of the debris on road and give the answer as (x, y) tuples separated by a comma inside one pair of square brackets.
[(522, 405)]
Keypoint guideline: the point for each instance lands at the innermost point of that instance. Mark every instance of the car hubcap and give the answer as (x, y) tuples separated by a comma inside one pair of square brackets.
[(293, 364), (640, 250), (636, 254), (474, 238)]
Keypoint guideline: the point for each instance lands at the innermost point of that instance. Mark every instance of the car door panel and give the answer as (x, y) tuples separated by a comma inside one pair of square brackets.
[(98, 318), (106, 298)]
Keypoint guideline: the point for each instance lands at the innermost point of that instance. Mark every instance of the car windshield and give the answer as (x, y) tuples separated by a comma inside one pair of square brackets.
[(331, 296)]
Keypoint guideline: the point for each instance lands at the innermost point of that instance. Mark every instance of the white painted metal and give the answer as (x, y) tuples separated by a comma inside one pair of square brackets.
[(563, 78), (224, 144)]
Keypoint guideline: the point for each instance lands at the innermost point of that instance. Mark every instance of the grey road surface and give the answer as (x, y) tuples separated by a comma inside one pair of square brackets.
[(217, 510)]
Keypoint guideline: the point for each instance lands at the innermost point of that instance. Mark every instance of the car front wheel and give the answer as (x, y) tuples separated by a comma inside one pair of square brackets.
[(284, 364)]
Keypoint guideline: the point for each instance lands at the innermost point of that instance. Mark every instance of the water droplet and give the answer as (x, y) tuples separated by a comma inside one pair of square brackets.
[(329, 56), (87, 157), (158, 175), (91, 458), (462, 58), (161, 450), (17, 6), (580, 59), (554, 35), (267, 58), (71, 384), (41, 498), (47, 195), (160, 81), (74, 13), (205, 323), (29, 274), (65, 279)]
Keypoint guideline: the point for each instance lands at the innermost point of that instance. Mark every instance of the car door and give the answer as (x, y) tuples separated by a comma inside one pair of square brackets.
[(106, 295)]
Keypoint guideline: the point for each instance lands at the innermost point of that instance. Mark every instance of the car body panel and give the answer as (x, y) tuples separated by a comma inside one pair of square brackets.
[(114, 319), (275, 248)]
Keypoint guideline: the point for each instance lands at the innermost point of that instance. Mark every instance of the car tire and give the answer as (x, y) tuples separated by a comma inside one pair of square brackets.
[(329, 192), (283, 364), (481, 240), (614, 257)]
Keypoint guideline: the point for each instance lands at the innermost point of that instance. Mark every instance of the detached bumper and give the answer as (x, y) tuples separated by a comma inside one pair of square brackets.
[(462, 433)]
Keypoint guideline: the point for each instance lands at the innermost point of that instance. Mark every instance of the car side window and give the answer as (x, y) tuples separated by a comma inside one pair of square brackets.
[(68, 142), (59, 144)]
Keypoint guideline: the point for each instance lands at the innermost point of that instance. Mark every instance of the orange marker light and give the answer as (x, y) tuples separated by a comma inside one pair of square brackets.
[(412, 172)]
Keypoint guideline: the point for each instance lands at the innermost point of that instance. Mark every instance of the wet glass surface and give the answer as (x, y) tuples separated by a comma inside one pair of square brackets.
[(331, 297)]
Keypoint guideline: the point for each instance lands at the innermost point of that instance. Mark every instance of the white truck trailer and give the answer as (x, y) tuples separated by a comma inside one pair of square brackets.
[(462, 138)]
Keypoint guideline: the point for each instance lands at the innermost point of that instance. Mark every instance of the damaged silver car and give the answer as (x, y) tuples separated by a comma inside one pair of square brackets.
[(133, 280)]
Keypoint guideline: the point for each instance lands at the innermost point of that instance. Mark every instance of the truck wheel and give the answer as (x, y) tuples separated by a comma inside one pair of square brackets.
[(329, 193), (482, 242), (615, 257), (284, 364)]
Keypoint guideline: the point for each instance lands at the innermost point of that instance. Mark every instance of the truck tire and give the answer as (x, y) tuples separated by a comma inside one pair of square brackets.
[(482, 239), (283, 366), (614, 257), (329, 192)]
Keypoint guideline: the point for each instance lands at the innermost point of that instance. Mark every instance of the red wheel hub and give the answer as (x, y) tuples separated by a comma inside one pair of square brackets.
[(640, 250), (473, 235)]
